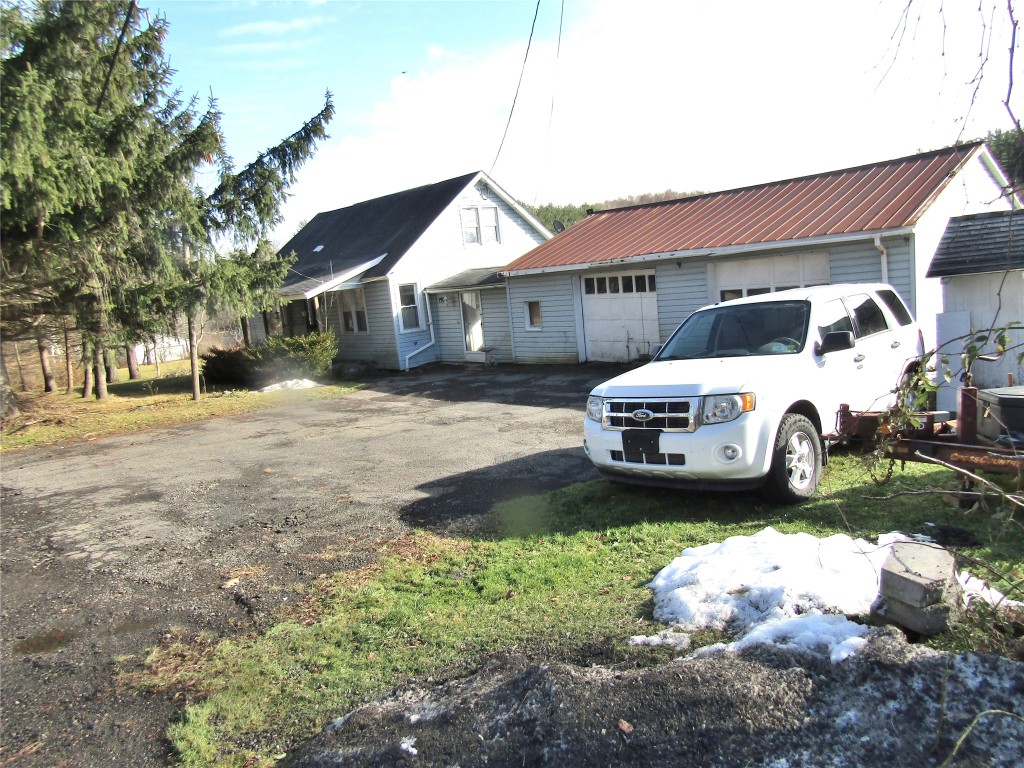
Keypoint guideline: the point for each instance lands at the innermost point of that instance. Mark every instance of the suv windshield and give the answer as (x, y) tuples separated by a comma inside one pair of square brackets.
[(764, 328)]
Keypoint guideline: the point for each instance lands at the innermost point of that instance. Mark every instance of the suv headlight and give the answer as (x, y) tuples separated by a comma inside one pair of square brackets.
[(595, 408), (717, 409)]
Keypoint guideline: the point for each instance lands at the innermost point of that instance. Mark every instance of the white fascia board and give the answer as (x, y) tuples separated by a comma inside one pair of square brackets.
[(999, 177), (513, 204), (732, 250), (339, 279)]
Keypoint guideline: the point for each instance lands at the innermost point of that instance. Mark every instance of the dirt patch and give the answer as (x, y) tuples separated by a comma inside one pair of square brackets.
[(891, 705)]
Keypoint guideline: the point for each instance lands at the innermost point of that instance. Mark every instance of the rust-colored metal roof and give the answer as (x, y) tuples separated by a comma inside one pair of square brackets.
[(870, 198)]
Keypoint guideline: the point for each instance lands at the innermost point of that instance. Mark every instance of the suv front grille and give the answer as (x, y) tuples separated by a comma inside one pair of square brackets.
[(670, 415)]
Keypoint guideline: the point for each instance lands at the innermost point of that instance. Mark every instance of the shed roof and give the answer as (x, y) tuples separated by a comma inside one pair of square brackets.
[(366, 239), (471, 279), (869, 198), (982, 242)]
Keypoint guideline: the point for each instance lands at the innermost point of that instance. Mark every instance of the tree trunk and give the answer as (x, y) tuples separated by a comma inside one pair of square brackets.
[(110, 368), (43, 345), (193, 356), (8, 401), (156, 359), (99, 375), (86, 368), (21, 371), (133, 363), (246, 332), (68, 365)]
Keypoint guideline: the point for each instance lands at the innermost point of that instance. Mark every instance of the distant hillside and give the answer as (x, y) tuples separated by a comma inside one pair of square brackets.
[(568, 215)]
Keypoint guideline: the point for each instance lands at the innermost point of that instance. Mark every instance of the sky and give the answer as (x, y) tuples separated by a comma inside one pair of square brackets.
[(616, 98), (790, 590)]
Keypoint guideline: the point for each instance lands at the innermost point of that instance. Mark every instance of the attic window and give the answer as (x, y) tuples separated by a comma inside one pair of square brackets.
[(480, 225), (318, 249)]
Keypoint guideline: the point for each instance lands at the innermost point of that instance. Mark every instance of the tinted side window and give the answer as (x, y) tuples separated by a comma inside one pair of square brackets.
[(896, 306), (867, 315), (833, 317)]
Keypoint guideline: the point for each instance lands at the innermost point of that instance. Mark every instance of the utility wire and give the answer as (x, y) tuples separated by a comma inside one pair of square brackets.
[(518, 86), (554, 89)]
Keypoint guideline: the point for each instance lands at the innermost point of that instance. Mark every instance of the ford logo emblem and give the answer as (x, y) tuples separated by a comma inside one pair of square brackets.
[(642, 414)]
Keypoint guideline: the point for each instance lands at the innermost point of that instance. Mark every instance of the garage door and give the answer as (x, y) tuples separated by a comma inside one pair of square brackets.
[(620, 315)]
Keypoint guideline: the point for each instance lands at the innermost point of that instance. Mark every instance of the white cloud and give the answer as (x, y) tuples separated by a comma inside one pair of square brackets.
[(683, 95)]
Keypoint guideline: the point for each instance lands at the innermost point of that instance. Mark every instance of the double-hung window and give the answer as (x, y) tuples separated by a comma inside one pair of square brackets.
[(480, 225), (408, 298), (353, 311)]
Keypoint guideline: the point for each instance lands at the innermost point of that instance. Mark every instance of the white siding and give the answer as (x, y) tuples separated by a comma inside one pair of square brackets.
[(377, 346), (682, 289), (555, 340), (441, 253), (993, 300)]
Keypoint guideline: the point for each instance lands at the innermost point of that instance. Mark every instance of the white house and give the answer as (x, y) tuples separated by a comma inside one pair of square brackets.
[(361, 271), (980, 265)]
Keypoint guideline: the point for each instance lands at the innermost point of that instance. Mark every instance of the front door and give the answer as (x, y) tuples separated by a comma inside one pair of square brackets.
[(473, 327)]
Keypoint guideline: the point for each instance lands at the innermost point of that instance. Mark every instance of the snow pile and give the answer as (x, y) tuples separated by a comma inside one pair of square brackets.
[(793, 590), (291, 384)]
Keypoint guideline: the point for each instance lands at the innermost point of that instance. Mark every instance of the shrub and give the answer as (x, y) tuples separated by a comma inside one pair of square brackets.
[(277, 359)]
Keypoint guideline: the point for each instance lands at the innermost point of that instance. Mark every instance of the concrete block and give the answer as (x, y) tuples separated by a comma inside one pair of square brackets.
[(918, 574), (930, 620), (918, 589)]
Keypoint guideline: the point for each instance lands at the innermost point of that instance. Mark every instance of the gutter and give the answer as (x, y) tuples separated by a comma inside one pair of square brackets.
[(429, 344)]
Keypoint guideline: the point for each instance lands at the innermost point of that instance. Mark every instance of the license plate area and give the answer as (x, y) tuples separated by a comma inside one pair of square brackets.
[(641, 441)]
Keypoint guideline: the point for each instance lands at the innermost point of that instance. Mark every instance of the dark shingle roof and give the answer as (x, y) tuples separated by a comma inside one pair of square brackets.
[(982, 242), (485, 277), (869, 198), (363, 232)]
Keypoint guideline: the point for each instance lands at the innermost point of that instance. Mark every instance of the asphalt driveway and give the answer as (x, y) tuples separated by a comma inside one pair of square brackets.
[(110, 545)]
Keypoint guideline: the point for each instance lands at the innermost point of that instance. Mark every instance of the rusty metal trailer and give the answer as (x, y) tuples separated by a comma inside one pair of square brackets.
[(957, 444)]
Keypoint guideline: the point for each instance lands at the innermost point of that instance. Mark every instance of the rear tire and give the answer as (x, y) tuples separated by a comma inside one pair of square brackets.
[(796, 461)]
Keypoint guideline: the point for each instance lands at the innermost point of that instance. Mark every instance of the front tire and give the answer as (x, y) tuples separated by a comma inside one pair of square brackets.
[(796, 461)]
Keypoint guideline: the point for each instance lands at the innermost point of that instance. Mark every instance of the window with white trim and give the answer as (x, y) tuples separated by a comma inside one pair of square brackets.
[(353, 311), (480, 225), (532, 315), (752, 277), (408, 298)]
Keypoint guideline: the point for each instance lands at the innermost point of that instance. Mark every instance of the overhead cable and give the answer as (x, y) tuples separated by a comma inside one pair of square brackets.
[(518, 86)]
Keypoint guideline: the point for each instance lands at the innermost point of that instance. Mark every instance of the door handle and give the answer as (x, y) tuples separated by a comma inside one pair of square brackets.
[(859, 359), (894, 345)]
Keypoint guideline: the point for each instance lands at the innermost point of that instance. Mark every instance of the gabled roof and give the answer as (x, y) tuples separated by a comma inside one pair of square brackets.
[(367, 239), (869, 198), (982, 242)]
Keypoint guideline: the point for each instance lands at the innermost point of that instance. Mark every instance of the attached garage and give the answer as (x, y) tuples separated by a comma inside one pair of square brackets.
[(620, 315)]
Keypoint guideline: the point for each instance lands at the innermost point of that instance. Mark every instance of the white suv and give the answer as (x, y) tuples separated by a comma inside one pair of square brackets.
[(741, 394)]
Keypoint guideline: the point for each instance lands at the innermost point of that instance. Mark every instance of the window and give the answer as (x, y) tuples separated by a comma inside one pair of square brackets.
[(407, 297), (868, 316), (480, 225), (353, 311), (533, 314), (835, 318), (899, 309)]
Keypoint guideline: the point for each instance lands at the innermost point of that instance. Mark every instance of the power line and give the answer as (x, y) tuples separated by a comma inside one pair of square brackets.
[(518, 86)]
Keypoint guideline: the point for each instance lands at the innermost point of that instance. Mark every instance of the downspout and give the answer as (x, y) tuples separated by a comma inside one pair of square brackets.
[(885, 258), (511, 327), (429, 344)]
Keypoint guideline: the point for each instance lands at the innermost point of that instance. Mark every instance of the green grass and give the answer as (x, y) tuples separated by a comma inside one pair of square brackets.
[(139, 404), (556, 577)]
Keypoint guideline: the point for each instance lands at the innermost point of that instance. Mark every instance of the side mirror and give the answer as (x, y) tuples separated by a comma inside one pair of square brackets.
[(833, 342)]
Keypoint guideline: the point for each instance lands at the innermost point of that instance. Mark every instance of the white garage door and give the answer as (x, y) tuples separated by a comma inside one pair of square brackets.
[(620, 315)]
